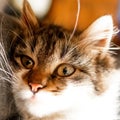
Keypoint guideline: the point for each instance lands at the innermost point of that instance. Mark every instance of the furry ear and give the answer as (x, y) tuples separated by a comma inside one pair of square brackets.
[(99, 33), (28, 17)]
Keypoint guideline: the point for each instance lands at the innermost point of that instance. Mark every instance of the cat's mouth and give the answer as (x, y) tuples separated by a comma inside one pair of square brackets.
[(33, 97)]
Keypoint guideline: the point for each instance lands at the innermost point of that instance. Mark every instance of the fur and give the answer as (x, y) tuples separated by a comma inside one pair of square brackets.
[(47, 74)]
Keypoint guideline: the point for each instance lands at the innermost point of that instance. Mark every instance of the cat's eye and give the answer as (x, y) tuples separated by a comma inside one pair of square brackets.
[(65, 70), (27, 62)]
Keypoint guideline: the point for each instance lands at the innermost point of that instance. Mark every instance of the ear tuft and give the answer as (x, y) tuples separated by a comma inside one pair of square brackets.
[(100, 32), (28, 17)]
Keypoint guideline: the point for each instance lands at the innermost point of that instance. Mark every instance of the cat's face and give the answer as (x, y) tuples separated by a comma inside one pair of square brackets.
[(55, 73)]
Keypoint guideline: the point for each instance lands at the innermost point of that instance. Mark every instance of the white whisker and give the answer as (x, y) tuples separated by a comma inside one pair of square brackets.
[(116, 30), (75, 27), (76, 22), (4, 58), (71, 51), (8, 73), (4, 78)]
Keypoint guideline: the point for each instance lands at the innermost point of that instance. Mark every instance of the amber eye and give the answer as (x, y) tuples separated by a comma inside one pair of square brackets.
[(65, 70), (27, 62)]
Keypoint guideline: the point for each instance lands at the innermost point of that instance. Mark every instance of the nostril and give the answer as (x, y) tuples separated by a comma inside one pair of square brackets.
[(35, 87)]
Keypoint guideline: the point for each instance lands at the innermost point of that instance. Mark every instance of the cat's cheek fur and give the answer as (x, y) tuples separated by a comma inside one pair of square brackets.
[(70, 102), (45, 103)]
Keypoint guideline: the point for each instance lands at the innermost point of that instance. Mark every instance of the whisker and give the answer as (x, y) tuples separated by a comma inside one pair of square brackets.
[(4, 58), (4, 78), (8, 73), (77, 18), (15, 33), (69, 53), (73, 32), (4, 65)]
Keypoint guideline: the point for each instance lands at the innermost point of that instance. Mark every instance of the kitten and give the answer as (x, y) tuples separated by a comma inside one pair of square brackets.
[(45, 75)]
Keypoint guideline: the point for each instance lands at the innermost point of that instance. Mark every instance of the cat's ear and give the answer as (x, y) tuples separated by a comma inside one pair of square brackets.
[(28, 17), (99, 33)]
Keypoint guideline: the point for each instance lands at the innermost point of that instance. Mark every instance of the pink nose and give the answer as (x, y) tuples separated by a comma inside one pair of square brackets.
[(35, 87)]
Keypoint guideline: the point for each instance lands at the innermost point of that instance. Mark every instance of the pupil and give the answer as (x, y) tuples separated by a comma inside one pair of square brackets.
[(28, 62), (65, 70)]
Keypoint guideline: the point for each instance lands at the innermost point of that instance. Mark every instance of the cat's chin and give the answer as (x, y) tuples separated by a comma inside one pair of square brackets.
[(47, 103), (42, 103)]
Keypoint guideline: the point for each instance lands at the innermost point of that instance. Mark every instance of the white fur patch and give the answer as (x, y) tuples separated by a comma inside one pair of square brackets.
[(76, 102)]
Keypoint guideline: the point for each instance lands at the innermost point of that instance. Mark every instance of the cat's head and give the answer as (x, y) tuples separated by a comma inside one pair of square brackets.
[(54, 72)]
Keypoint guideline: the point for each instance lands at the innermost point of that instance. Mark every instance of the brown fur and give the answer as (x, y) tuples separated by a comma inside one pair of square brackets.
[(41, 43), (48, 47)]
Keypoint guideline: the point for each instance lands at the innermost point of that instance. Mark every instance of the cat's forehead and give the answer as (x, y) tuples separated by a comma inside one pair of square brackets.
[(46, 42)]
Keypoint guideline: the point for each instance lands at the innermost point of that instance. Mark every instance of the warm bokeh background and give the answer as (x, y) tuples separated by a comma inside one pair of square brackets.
[(63, 12)]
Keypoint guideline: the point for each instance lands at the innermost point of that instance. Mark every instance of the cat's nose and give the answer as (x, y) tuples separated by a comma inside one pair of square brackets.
[(35, 87)]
